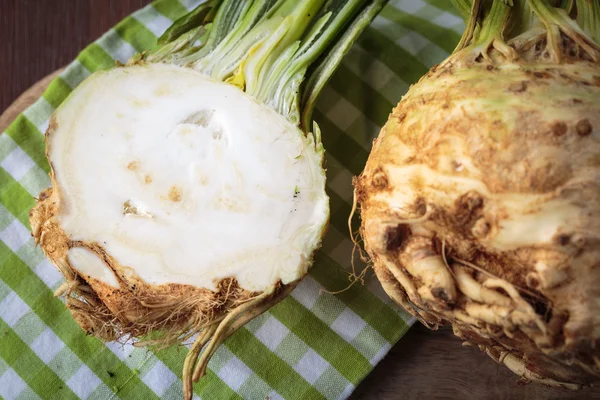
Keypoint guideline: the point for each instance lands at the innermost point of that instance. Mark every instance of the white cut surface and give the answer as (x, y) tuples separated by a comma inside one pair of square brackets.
[(89, 264), (186, 180)]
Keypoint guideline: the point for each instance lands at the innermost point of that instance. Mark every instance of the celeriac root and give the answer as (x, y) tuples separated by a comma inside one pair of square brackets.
[(188, 366), (479, 202), (516, 365)]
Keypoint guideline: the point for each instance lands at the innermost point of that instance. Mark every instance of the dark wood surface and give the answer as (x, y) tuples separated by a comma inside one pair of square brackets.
[(41, 36), (428, 365)]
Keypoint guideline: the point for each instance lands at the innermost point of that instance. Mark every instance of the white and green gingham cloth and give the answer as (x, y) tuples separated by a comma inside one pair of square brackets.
[(313, 345)]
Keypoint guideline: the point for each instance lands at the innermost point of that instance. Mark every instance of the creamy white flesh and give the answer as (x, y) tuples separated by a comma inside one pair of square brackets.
[(186, 180)]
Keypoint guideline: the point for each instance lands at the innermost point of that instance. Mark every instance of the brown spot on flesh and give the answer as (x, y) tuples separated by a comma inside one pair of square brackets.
[(542, 74), (440, 293), (133, 166), (45, 194), (532, 281), (148, 179), (559, 128), (174, 194), (400, 117), (518, 87), (395, 237), (563, 239), (468, 206), (583, 127), (380, 180)]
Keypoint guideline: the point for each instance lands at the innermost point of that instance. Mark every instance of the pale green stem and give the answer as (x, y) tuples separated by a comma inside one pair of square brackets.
[(494, 23), (322, 72), (464, 7), (588, 17), (567, 5), (199, 16), (556, 21), (267, 47), (473, 17)]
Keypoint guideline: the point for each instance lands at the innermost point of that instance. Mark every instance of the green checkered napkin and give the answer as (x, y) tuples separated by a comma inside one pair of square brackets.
[(312, 345)]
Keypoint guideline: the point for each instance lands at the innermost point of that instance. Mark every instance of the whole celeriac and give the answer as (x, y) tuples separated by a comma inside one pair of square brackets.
[(188, 192), (480, 200)]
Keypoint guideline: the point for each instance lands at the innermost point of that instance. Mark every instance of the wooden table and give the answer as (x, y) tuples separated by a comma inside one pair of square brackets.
[(41, 36)]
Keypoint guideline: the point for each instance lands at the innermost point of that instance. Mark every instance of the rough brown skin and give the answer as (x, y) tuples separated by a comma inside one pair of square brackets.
[(480, 207)]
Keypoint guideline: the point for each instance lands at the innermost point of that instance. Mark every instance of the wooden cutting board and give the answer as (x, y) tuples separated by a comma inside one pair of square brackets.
[(424, 364)]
